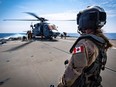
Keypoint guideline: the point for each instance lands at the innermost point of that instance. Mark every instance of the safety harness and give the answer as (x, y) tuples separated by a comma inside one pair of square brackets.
[(90, 76)]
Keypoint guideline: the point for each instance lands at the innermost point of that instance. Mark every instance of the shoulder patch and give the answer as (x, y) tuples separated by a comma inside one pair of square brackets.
[(78, 49)]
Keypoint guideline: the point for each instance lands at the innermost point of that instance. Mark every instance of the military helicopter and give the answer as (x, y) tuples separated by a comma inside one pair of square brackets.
[(43, 29)]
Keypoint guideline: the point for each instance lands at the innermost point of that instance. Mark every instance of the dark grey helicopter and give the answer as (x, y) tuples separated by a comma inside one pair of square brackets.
[(43, 29)]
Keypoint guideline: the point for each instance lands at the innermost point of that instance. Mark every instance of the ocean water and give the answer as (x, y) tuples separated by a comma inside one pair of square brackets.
[(8, 35), (108, 35)]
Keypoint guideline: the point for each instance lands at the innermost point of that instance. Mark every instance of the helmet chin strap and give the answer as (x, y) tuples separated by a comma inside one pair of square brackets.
[(79, 32), (85, 31)]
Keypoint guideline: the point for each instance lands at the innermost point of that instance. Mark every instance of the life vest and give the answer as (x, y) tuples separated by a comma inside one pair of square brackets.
[(90, 76)]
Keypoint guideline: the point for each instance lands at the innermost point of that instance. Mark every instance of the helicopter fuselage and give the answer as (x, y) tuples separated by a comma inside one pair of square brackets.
[(48, 31)]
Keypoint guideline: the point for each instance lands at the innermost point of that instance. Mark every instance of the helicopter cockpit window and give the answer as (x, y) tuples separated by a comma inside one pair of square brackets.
[(52, 27)]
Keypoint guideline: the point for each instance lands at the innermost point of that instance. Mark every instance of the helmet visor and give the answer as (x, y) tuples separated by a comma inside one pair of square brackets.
[(102, 16)]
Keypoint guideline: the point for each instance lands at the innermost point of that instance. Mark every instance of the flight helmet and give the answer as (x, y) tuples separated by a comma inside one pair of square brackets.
[(93, 17)]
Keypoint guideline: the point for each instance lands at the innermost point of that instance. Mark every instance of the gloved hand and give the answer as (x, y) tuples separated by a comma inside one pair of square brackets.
[(60, 85)]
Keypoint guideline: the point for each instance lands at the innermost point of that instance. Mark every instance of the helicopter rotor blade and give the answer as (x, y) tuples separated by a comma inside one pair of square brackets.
[(33, 20), (20, 20), (39, 18), (33, 14), (63, 20)]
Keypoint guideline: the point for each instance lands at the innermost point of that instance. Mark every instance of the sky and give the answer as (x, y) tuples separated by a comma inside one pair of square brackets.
[(51, 10)]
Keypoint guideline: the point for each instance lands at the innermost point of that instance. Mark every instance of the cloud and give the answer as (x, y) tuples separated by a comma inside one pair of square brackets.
[(104, 3), (64, 24), (112, 5), (61, 16), (111, 13), (108, 4)]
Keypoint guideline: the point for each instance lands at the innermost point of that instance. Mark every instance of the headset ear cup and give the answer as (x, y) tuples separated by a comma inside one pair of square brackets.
[(78, 16)]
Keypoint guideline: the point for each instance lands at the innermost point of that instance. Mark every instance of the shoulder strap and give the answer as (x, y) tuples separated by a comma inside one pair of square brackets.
[(91, 37)]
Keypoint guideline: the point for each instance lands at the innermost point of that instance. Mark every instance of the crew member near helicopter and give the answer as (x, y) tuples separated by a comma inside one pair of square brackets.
[(29, 35), (88, 52)]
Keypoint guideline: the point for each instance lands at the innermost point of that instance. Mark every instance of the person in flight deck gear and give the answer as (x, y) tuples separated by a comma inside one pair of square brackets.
[(88, 52), (29, 35)]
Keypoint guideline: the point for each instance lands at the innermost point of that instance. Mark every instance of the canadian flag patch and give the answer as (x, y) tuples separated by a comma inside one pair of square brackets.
[(78, 49)]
